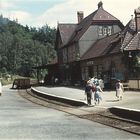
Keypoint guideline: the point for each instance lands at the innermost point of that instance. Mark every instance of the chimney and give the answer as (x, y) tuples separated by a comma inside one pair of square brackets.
[(80, 16), (137, 19)]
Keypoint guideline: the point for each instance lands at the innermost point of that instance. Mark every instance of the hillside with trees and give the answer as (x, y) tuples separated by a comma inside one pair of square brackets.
[(23, 47)]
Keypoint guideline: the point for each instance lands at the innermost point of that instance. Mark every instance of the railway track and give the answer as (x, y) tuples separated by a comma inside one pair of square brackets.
[(112, 120), (104, 117)]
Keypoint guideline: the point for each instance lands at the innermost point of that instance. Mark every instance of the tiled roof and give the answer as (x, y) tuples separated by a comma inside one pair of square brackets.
[(100, 15), (66, 30), (73, 32), (82, 27), (134, 44), (129, 31), (126, 40), (107, 45), (131, 39)]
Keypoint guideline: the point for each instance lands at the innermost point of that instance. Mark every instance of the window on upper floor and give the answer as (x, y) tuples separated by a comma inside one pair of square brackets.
[(109, 30), (100, 30), (104, 30)]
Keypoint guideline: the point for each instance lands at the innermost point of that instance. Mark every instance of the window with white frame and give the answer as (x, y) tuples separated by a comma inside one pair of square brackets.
[(105, 31), (109, 30), (100, 30)]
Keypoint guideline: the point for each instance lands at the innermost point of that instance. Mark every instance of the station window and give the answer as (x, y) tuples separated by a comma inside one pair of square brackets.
[(100, 30), (104, 30), (109, 30)]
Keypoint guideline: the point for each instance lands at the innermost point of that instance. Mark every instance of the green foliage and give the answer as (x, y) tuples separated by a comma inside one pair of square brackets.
[(136, 61), (21, 47)]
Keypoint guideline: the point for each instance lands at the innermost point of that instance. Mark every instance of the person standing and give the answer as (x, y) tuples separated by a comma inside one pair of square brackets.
[(97, 95), (119, 90), (88, 91)]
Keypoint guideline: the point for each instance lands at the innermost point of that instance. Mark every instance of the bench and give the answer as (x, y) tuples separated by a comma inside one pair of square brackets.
[(126, 86)]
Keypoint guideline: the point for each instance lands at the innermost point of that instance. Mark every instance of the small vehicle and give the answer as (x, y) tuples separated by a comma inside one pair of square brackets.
[(21, 84)]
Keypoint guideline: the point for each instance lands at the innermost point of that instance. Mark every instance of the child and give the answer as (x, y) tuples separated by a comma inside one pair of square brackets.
[(97, 95)]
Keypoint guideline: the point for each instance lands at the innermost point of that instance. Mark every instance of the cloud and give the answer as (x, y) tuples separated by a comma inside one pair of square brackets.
[(22, 16), (66, 12), (6, 5)]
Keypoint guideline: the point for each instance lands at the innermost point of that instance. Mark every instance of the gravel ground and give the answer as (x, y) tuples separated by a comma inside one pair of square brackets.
[(110, 119)]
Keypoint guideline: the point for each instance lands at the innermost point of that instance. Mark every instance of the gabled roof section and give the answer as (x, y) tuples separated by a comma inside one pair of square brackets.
[(134, 44), (103, 15), (131, 38), (99, 16), (107, 45), (82, 27), (66, 30)]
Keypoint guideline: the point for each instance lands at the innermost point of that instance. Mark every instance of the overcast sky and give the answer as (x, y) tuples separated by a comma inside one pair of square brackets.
[(40, 12)]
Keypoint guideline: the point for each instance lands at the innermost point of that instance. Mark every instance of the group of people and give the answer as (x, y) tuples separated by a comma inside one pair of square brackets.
[(94, 88)]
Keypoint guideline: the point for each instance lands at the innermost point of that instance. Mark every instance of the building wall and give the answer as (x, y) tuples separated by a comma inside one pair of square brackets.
[(88, 38), (116, 28), (93, 34), (73, 52), (109, 68)]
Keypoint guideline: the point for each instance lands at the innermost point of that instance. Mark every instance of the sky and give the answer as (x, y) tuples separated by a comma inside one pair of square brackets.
[(37, 13)]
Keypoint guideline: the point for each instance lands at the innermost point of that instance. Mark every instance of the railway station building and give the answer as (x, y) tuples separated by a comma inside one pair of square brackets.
[(99, 45)]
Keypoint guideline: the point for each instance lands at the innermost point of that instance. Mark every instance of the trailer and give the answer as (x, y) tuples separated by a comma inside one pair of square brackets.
[(21, 83)]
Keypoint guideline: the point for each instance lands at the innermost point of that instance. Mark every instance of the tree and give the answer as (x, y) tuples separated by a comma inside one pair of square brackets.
[(21, 47)]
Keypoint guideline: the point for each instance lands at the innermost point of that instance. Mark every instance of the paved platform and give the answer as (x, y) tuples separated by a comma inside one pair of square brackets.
[(130, 100), (128, 107)]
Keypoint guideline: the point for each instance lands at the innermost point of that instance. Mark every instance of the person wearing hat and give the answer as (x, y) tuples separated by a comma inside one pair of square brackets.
[(119, 90)]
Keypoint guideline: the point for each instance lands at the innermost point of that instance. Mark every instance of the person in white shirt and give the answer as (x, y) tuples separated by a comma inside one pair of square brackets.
[(119, 90)]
